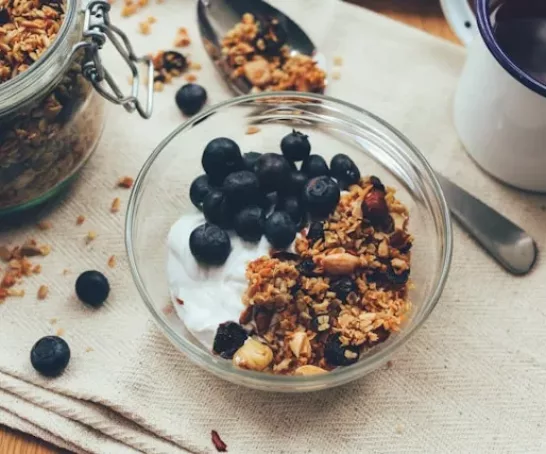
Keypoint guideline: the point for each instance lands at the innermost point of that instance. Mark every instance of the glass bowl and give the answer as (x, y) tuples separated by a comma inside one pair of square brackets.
[(160, 196)]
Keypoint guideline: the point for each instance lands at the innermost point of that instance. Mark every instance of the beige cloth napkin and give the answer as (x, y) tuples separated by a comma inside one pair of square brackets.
[(473, 379)]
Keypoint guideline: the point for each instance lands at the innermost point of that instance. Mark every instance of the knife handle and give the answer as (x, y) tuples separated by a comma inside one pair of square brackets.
[(507, 243)]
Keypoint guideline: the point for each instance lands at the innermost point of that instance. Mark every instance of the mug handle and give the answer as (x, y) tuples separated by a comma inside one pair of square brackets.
[(461, 19)]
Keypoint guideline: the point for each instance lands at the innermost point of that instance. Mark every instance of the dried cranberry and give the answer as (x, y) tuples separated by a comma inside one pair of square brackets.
[(262, 318), (343, 287), (307, 268), (337, 354), (316, 231), (174, 60), (230, 336), (376, 182)]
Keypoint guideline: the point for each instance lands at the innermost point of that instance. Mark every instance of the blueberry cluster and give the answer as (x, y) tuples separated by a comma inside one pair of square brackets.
[(256, 194)]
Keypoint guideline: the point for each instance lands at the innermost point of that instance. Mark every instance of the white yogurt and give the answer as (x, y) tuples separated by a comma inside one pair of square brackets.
[(211, 295)]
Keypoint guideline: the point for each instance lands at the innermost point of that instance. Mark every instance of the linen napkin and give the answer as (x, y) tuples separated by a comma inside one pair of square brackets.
[(473, 379)]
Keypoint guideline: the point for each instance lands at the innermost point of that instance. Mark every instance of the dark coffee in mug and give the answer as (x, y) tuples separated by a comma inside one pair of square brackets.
[(520, 30)]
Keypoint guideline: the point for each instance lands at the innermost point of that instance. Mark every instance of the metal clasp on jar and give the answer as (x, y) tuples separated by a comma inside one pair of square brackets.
[(97, 30)]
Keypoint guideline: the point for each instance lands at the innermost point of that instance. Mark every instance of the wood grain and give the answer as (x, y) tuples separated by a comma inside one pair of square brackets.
[(423, 14)]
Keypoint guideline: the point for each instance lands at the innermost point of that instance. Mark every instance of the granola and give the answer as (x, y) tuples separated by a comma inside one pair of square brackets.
[(257, 52), (344, 291)]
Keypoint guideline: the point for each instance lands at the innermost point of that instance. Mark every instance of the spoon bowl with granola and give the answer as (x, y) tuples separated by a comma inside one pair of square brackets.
[(295, 245)]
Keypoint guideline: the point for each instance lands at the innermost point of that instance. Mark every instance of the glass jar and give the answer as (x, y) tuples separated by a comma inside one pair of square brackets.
[(52, 114)]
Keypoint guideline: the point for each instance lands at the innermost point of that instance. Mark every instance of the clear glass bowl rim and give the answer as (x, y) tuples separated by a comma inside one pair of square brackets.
[(260, 380)]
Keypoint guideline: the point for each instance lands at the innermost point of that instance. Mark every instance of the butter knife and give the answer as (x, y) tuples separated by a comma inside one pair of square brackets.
[(507, 243)]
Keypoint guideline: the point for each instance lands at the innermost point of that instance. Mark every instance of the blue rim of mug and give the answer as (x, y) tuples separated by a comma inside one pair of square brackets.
[(486, 30)]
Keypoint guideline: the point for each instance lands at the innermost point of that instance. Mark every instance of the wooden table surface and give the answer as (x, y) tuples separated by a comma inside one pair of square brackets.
[(423, 14)]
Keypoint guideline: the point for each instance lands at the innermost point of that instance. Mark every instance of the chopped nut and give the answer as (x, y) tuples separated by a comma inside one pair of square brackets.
[(195, 66), (44, 225), (252, 130), (339, 264), (45, 249), (151, 20), (399, 264), (158, 86), (190, 78), (80, 220), (182, 38), (253, 355), (112, 261), (383, 249), (257, 72), (338, 61), (43, 292), (89, 349), (126, 182), (116, 205), (300, 345), (16, 292), (144, 28), (60, 332), (53, 320), (309, 370), (91, 235), (37, 269)]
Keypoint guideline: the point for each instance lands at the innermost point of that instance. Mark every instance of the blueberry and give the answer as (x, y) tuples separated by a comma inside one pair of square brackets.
[(250, 159), (344, 170), (267, 201), (307, 268), (342, 287), (295, 146), (280, 230), (273, 172), (217, 209), (210, 245), (50, 356), (190, 98), (242, 188), (295, 184), (230, 336), (249, 223), (321, 196), (293, 207), (337, 354), (199, 189), (221, 157), (92, 288), (316, 231), (315, 166)]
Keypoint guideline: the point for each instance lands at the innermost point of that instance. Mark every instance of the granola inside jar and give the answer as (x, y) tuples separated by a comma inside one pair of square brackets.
[(51, 115)]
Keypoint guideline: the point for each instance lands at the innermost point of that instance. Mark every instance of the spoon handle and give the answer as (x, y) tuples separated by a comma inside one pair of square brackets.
[(507, 243)]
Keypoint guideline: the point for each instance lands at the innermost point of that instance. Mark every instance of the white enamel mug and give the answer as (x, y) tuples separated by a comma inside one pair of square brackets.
[(499, 110)]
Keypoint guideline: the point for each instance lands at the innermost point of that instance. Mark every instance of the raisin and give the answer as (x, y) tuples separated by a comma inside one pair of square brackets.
[(230, 336), (343, 287), (375, 209), (397, 279), (307, 268), (382, 335), (316, 231), (376, 182), (337, 354), (174, 60)]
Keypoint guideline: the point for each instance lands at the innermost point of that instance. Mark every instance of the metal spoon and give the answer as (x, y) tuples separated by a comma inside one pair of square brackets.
[(217, 17), (514, 249)]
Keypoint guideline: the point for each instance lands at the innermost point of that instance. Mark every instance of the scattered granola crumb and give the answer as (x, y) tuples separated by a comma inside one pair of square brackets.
[(128, 10), (167, 310), (195, 66), (5, 254), (400, 428), (338, 61), (158, 86), (252, 130), (45, 225), (80, 220), (182, 38), (66, 271), (126, 182), (218, 442), (190, 78), (112, 261), (37, 269), (52, 321), (45, 249), (390, 364), (91, 235), (43, 292), (89, 349), (142, 3), (336, 74), (180, 301), (116, 205), (144, 28), (16, 292), (152, 19), (60, 332)]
